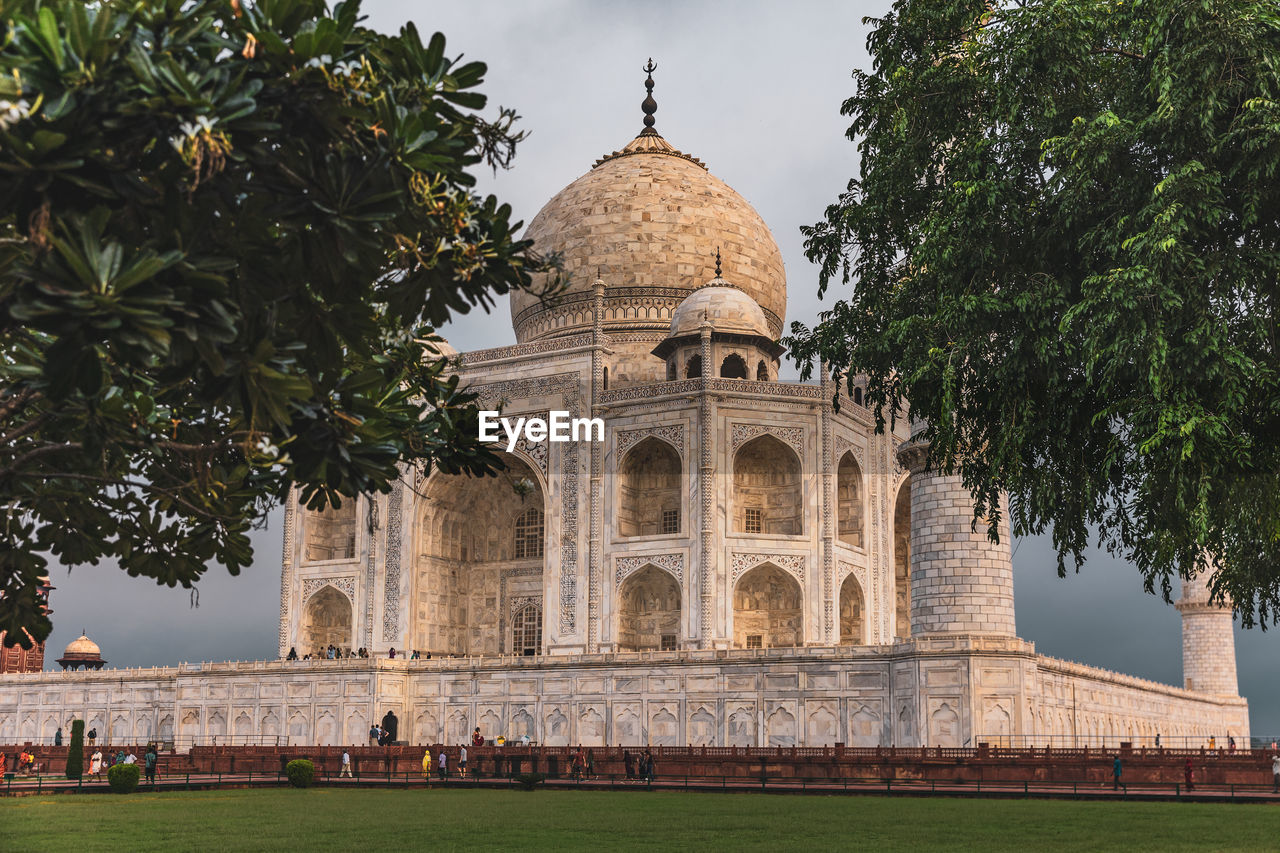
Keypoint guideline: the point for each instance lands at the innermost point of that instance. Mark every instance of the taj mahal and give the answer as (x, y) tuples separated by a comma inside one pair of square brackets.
[(742, 561)]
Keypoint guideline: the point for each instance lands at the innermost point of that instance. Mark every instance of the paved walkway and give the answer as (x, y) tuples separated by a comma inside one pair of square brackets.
[(26, 786)]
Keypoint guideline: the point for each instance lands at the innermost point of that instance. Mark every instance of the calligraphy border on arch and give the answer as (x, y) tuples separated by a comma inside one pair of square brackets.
[(671, 433), (345, 584)]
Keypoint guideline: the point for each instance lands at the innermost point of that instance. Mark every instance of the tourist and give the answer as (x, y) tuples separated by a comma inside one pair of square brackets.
[(149, 762), (1231, 743), (119, 759), (392, 653), (131, 759), (3, 760), (57, 737), (591, 764), (373, 735), (1116, 769), (502, 741), (444, 765), (524, 739), (628, 764), (293, 653), (1157, 740), (346, 764), (1188, 773), (426, 764), (92, 735), (477, 739), (1275, 773), (95, 764), (1213, 742), (651, 769)]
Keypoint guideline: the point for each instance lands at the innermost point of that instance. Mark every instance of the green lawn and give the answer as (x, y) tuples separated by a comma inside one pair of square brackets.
[(371, 820)]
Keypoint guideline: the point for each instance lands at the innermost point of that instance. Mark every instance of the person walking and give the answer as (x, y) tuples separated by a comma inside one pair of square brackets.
[(462, 760), (591, 764), (426, 764), (373, 735), (149, 763), (346, 764), (444, 764), (95, 764), (92, 735), (1117, 768), (1275, 773), (628, 764), (57, 737), (1189, 773)]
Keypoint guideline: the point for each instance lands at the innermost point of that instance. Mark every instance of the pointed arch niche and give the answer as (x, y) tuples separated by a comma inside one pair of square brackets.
[(648, 611), (326, 620), (849, 503), (902, 560), (853, 611), (480, 555), (649, 489), (767, 609), (767, 491)]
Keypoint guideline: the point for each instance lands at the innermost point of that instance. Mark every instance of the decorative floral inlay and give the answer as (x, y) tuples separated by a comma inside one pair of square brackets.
[(742, 433), (743, 562), (345, 584), (673, 563), (673, 434)]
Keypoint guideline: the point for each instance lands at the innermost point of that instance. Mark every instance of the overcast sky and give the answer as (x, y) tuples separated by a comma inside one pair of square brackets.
[(754, 90)]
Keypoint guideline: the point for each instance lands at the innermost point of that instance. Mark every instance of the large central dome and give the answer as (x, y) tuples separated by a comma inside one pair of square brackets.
[(649, 219)]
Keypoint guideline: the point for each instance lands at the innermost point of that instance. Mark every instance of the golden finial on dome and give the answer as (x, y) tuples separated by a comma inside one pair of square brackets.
[(649, 106)]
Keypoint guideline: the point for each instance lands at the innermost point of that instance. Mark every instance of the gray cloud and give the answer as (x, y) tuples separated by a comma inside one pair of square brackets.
[(754, 89)]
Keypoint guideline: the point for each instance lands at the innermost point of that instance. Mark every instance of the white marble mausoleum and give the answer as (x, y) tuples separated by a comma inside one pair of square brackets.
[(740, 561)]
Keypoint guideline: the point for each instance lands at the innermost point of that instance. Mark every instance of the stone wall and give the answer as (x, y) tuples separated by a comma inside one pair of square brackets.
[(912, 694)]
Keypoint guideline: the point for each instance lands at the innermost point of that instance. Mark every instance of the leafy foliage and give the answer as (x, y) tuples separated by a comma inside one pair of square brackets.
[(227, 231), (123, 778), (75, 752), (530, 781), (1063, 244), (301, 772)]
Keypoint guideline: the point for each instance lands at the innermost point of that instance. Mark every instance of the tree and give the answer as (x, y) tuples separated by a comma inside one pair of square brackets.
[(227, 231), (1064, 242), (75, 752)]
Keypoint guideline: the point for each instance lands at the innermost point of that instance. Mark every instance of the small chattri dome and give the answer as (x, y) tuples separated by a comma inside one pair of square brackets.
[(82, 646), (728, 310)]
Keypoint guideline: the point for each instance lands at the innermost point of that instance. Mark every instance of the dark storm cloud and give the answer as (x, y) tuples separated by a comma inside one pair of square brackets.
[(754, 90)]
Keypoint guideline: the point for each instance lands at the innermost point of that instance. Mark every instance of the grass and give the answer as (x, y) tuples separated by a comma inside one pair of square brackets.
[(320, 819)]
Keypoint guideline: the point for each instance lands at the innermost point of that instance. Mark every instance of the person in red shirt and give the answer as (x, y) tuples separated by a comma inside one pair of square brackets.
[(477, 739)]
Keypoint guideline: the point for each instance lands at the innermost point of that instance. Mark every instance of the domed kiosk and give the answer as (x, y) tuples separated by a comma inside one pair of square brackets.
[(733, 560), (82, 653)]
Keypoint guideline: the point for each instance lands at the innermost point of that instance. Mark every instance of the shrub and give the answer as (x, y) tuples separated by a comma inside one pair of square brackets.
[(529, 781), (75, 752), (301, 772), (123, 778)]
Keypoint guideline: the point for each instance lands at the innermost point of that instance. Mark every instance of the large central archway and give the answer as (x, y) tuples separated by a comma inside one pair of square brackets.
[(326, 620), (649, 611), (481, 549), (767, 610)]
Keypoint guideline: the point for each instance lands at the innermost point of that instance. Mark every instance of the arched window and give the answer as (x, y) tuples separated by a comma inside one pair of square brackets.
[(649, 490), (851, 607), (849, 501), (733, 367), (526, 630), (857, 396), (693, 369), (529, 529), (606, 379), (326, 620), (762, 372), (767, 492), (649, 611)]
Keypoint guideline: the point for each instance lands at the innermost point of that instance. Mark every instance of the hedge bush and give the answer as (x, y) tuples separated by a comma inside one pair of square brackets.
[(123, 778), (75, 752), (529, 781), (301, 772)]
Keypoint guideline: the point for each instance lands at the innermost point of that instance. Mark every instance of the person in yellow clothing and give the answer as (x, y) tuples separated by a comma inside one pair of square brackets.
[(426, 765)]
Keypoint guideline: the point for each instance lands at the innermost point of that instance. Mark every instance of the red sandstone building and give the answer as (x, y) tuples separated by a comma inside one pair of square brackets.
[(16, 658)]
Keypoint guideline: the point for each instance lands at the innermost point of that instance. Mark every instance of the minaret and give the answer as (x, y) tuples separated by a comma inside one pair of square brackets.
[(961, 581), (1208, 641)]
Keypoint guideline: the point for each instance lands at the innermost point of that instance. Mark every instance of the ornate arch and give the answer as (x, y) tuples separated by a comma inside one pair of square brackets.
[(742, 562), (672, 564), (345, 584), (672, 434), (793, 437)]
